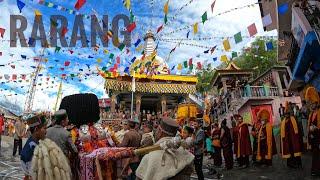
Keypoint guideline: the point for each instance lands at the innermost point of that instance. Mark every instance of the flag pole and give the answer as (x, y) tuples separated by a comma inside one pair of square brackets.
[(132, 90)]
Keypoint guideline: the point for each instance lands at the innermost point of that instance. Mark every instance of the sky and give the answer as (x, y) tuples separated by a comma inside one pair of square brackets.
[(149, 15)]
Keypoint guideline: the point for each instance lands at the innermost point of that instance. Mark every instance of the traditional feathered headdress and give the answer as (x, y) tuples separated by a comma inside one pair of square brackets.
[(263, 114), (311, 95)]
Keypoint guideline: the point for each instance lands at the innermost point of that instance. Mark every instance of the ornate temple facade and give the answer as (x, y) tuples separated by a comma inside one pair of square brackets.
[(154, 88)]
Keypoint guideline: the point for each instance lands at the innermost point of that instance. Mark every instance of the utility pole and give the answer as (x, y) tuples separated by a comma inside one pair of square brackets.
[(33, 86), (59, 95)]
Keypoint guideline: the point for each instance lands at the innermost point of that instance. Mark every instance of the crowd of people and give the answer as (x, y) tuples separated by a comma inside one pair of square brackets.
[(235, 144)]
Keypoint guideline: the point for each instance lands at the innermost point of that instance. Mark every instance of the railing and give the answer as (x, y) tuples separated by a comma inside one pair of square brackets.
[(255, 91), (240, 95)]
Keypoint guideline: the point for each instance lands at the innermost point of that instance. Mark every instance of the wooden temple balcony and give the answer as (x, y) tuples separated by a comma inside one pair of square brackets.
[(255, 91)]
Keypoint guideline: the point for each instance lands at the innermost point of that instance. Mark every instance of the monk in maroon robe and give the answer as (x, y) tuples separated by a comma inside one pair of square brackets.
[(226, 144), (215, 134), (244, 143), (314, 139), (290, 144), (266, 144)]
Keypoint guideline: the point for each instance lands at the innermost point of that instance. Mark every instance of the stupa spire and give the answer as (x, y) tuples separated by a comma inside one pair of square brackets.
[(149, 43)]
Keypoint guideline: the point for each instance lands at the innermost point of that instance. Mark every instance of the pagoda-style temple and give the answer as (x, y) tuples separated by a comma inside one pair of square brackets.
[(155, 89), (246, 96)]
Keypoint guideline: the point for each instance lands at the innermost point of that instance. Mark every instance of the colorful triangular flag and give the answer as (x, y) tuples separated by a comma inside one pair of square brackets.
[(20, 5), (2, 32), (252, 29), (266, 20), (79, 4), (195, 28), (204, 17), (131, 27), (226, 45), (212, 5), (238, 38), (166, 8)]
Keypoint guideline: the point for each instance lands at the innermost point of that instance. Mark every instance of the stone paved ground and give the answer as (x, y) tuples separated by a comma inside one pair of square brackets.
[(278, 171), (10, 168)]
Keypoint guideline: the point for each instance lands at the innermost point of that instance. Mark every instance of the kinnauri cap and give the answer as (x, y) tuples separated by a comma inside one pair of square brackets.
[(169, 126)]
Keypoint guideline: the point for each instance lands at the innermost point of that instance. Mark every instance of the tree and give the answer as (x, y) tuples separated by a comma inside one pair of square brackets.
[(204, 80), (257, 57)]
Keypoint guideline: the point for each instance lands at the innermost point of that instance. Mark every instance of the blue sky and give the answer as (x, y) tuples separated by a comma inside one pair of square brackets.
[(149, 16)]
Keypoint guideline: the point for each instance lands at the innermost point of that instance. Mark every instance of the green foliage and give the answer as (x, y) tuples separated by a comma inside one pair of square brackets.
[(204, 80), (257, 57)]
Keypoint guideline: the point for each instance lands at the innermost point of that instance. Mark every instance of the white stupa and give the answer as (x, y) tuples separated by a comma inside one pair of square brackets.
[(158, 64)]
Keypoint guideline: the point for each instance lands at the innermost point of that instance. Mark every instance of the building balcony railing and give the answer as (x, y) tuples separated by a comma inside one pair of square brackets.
[(255, 91), (239, 96)]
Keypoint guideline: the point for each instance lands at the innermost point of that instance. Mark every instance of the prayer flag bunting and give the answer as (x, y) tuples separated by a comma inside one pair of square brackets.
[(224, 58), (159, 28), (139, 47), (127, 4), (179, 66), (226, 45), (190, 61), (121, 47), (66, 63), (266, 20), (20, 5), (213, 49), (199, 66), (133, 59), (165, 19), (185, 63), (215, 59), (238, 38), (212, 5), (57, 49), (195, 28), (204, 17), (79, 4), (252, 29), (137, 42), (23, 56), (166, 8), (99, 60), (37, 13), (206, 52), (2, 32), (111, 56), (191, 66), (131, 27), (234, 54)]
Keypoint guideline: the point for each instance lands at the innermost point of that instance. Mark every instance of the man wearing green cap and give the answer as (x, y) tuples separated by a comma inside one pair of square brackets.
[(60, 135), (37, 126)]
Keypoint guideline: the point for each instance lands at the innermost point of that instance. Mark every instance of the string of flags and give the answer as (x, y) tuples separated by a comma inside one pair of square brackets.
[(204, 19), (214, 37)]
